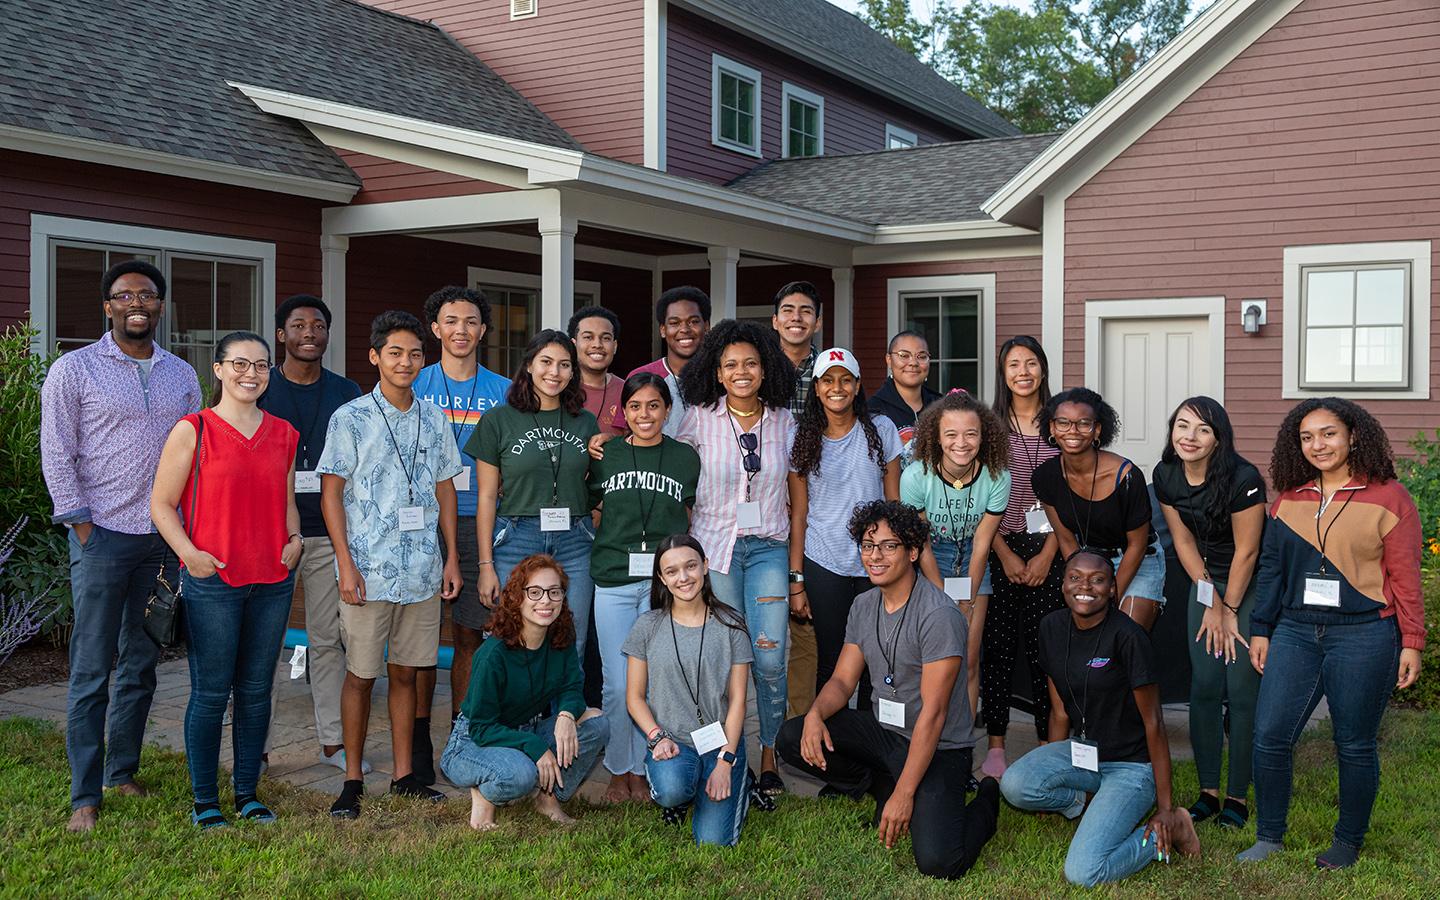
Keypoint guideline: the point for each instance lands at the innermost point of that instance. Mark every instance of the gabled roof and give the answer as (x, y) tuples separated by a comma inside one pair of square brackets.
[(931, 183), (826, 36), (150, 75)]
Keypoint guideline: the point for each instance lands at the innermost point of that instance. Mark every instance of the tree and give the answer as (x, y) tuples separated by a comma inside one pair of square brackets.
[(1120, 35), (894, 19)]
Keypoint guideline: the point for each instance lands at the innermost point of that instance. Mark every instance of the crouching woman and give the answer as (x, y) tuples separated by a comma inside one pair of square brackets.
[(523, 727)]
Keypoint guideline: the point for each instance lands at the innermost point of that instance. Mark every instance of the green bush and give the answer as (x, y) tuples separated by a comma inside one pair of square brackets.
[(1421, 476), (1425, 692)]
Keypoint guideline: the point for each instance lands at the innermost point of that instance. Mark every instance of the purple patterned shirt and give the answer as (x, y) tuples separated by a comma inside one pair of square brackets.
[(102, 426)]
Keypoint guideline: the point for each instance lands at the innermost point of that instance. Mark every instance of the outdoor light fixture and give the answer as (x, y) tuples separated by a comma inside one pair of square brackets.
[(1252, 315)]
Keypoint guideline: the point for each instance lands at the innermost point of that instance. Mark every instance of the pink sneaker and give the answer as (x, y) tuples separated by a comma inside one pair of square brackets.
[(994, 764)]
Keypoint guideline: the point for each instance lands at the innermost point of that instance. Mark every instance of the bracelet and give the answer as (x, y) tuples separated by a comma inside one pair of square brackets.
[(486, 562), (652, 732), (799, 592), (565, 712), (654, 742), (294, 535)]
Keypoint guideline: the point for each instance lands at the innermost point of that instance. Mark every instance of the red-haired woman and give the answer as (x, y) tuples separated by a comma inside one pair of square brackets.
[(524, 724)]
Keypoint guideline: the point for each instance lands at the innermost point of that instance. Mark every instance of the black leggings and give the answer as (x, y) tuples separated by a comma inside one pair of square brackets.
[(831, 597), (1012, 627)]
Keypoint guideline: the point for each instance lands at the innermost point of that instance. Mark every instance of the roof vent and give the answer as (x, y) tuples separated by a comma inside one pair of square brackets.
[(523, 9)]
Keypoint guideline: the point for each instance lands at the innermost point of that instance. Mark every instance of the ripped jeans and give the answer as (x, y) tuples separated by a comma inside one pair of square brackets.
[(759, 571)]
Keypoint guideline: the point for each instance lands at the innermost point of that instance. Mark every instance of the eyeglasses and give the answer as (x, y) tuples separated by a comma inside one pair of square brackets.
[(750, 443), (132, 296), (1073, 424), (535, 592), (905, 356), (885, 547), (241, 366)]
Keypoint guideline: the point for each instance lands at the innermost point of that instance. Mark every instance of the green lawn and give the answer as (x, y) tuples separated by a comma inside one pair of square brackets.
[(809, 848)]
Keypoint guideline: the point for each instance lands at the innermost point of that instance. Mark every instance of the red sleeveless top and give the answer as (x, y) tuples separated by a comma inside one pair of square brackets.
[(242, 496)]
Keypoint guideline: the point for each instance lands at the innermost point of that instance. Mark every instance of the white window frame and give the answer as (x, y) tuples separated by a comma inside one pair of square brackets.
[(897, 288), (896, 133), (1415, 254), (719, 64), (46, 230), (523, 14), (1097, 312), (790, 92)]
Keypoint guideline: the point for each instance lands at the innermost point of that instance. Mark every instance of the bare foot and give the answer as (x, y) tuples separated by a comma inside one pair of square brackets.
[(83, 819), (482, 812), (618, 792), (131, 789), (639, 789), (1185, 841), (547, 806)]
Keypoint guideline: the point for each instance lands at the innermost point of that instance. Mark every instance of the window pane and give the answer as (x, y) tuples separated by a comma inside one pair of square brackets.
[(947, 375), (962, 328), (729, 91), (235, 290), (745, 96), (1380, 297), (199, 356), (728, 126), (1379, 355), (812, 147), (923, 317), (812, 120), (1330, 298), (79, 308), (1328, 355), (745, 129), (191, 295)]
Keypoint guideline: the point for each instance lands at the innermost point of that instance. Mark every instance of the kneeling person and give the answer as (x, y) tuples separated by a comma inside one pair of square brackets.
[(912, 752)]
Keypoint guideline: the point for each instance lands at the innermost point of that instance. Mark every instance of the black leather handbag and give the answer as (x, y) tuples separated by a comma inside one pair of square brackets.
[(162, 607)]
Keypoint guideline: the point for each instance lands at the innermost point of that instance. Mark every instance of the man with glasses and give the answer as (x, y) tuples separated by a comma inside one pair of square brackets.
[(684, 317), (912, 751), (105, 412), (905, 393)]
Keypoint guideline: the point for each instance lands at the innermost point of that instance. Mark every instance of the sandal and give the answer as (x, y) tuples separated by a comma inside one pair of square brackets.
[(208, 818), (255, 811), (1235, 815), (1204, 808)]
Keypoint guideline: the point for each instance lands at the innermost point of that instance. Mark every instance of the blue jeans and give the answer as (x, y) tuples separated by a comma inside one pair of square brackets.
[(1353, 667), (504, 774), (517, 537), (111, 576), (235, 634), (616, 609), (681, 779), (945, 554), (758, 585), (1106, 846), (1149, 580)]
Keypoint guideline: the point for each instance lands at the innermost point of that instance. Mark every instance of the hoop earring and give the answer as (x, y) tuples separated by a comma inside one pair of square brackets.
[(1050, 439), (1095, 443)]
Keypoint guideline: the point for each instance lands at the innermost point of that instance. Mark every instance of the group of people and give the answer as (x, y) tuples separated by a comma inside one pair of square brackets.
[(738, 515)]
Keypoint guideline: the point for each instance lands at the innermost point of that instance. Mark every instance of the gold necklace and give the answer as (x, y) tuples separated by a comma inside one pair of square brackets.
[(959, 481), (742, 413)]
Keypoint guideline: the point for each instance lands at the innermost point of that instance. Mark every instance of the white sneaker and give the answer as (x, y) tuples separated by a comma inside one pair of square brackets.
[(338, 761)]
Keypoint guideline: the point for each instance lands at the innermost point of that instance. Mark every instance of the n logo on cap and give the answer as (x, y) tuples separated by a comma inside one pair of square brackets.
[(837, 355)]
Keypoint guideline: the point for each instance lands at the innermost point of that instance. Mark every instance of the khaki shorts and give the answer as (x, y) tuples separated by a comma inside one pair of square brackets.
[(411, 629)]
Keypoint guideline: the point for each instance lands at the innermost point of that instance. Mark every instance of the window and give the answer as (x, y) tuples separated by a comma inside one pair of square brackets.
[(1356, 320), (897, 138), (735, 105), (804, 121), (951, 326), (514, 299)]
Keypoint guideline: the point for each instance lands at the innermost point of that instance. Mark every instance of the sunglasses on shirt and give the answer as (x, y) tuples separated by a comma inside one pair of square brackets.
[(751, 460)]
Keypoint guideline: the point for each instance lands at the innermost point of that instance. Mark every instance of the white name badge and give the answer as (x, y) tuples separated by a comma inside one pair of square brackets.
[(412, 518), (1205, 593), (711, 737), (307, 481), (462, 481), (958, 588), (642, 565), (1085, 755), (1036, 522), (297, 662), (1322, 590), (891, 712), (555, 518), (747, 514)]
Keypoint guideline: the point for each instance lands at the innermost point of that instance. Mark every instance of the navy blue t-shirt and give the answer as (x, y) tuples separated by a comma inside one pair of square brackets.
[(308, 407)]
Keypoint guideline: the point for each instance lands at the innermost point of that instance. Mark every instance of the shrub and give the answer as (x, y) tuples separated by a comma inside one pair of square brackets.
[(1421, 476), (22, 616), (1425, 692)]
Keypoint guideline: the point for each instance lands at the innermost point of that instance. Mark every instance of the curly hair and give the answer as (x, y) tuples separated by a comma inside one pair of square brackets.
[(1224, 461), (593, 312), (454, 293), (1370, 459), (1104, 413), (805, 454), (661, 598), (508, 624), (909, 526), (994, 438), (700, 382), (522, 395)]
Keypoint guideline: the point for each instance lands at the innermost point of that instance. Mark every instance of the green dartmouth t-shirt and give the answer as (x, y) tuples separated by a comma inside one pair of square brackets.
[(646, 491), (521, 445)]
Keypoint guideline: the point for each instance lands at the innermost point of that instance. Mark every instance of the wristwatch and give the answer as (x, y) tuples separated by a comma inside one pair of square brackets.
[(797, 577), (727, 756)]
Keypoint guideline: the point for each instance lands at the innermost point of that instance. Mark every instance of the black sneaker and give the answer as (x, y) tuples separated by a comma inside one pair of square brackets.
[(410, 786), (347, 805), (770, 784), (422, 753), (830, 792)]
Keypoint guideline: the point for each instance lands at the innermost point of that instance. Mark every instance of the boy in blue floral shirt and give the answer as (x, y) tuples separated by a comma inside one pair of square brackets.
[(385, 488)]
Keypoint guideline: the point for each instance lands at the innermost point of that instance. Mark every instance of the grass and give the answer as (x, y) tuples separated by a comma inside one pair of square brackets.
[(807, 848)]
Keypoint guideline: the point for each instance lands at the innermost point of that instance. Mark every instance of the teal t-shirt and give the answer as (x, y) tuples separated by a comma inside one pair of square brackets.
[(954, 513), (541, 457), (646, 492)]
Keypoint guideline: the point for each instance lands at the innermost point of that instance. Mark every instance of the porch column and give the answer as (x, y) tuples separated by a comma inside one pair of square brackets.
[(842, 310), (557, 271), (333, 248), (724, 267)]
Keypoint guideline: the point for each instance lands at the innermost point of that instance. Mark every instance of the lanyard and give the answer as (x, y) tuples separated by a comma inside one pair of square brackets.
[(465, 413), (1083, 535), (749, 476), (1197, 517), (1322, 538), (1032, 458), (1070, 685), (414, 454), (309, 431), (554, 455), (645, 512), (965, 506), (699, 657), (894, 637)]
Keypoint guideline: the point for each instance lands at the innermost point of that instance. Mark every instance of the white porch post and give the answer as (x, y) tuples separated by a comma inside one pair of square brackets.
[(842, 310), (333, 248), (724, 269), (557, 270)]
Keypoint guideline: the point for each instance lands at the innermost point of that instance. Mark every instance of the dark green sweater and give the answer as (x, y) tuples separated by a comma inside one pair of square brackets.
[(510, 687)]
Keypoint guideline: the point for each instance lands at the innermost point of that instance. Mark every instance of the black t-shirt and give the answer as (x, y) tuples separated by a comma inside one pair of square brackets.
[(1214, 536), (1099, 669), (1102, 524), (308, 407)]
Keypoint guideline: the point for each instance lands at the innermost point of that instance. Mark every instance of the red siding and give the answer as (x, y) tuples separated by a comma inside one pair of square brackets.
[(386, 180), (1324, 131), (854, 119), (580, 61), (39, 184)]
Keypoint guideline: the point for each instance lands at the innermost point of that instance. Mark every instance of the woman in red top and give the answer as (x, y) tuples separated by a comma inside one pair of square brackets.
[(238, 545)]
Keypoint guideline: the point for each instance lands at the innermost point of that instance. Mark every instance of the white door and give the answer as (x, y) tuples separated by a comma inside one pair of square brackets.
[(1148, 366)]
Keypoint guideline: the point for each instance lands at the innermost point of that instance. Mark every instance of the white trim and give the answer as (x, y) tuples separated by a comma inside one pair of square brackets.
[(44, 229), (981, 229), (790, 92), (842, 307), (1098, 311), (1417, 254), (104, 153), (440, 213), (719, 64), (333, 250), (908, 138), (1052, 287), (983, 284), (477, 275), (724, 281), (655, 42), (531, 13)]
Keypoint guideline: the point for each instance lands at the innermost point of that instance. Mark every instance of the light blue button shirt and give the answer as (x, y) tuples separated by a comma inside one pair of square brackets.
[(377, 462)]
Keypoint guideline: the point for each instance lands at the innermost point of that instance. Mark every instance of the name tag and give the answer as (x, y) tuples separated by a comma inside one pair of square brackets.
[(412, 518), (1322, 590), (1205, 593), (555, 518), (642, 565), (747, 514), (1085, 755), (711, 737), (958, 588), (462, 481), (890, 712), (307, 481), (1036, 522)]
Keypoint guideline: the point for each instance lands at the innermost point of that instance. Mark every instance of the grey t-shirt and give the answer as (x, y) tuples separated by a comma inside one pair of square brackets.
[(933, 630), (671, 702)]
